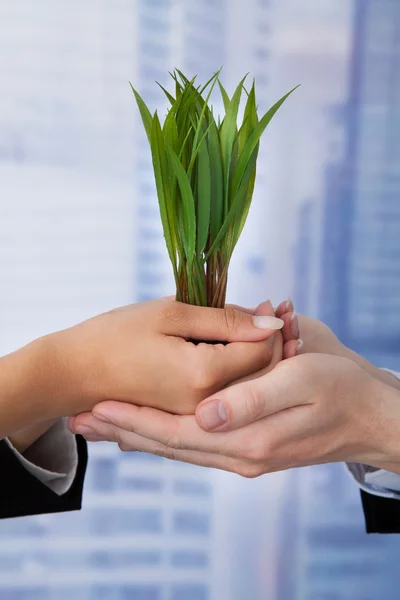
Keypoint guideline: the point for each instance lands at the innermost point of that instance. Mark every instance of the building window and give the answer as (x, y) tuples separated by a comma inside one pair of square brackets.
[(191, 487), (141, 521), (102, 474), (189, 592), (191, 523), (142, 484), (188, 559), (140, 592)]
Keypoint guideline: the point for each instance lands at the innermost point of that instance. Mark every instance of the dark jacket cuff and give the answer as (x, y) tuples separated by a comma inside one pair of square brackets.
[(21, 494), (382, 515)]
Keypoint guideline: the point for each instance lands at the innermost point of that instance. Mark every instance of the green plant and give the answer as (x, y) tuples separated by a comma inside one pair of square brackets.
[(205, 171)]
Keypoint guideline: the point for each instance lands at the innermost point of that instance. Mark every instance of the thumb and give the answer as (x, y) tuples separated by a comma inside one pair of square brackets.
[(246, 402), (229, 324)]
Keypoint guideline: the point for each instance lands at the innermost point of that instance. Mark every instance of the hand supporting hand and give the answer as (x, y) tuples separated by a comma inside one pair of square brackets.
[(137, 354), (310, 409)]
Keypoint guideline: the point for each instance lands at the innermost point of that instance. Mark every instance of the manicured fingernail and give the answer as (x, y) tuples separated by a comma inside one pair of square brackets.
[(299, 346), (294, 325), (289, 305), (213, 414), (88, 433), (267, 322), (102, 417)]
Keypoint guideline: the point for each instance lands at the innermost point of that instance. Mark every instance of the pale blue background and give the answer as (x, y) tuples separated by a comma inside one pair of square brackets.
[(80, 234)]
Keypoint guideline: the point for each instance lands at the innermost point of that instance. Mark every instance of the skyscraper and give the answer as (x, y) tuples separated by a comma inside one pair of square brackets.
[(366, 242), (325, 553)]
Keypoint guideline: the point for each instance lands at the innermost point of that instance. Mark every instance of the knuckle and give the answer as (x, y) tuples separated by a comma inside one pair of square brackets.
[(249, 471), (118, 437), (253, 402), (256, 454), (174, 312), (125, 448), (231, 319), (174, 442), (202, 377), (165, 452)]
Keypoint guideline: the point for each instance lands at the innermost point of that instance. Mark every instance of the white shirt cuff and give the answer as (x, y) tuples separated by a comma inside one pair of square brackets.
[(53, 458), (376, 481)]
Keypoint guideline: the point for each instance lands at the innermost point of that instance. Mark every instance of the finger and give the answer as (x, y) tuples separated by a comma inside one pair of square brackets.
[(237, 361), (283, 308), (273, 356), (176, 432), (215, 324), (292, 348), (249, 311), (86, 425), (245, 403), (290, 330), (132, 442)]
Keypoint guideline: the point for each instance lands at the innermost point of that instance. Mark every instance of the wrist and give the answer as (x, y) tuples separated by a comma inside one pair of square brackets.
[(27, 387), (26, 437), (382, 427)]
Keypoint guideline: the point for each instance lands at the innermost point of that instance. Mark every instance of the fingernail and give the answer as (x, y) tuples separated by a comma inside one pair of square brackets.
[(295, 325), (299, 346), (289, 305), (213, 414), (88, 433), (267, 322)]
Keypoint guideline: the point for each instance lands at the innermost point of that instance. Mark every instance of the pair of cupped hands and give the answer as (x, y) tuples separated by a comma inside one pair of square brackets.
[(265, 401)]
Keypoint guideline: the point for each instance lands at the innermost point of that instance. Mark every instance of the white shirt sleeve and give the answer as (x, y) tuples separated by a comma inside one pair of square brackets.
[(53, 458), (376, 481)]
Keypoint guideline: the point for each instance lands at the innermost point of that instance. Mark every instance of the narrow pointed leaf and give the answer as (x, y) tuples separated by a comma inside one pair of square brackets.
[(238, 202), (166, 92), (188, 208), (217, 182), (203, 205), (161, 176), (254, 139), (224, 95), (144, 113)]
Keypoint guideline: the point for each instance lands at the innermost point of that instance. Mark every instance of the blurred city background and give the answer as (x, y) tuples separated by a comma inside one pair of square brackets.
[(80, 234)]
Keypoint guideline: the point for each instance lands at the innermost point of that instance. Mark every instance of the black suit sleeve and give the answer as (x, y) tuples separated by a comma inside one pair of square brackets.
[(382, 515), (21, 494)]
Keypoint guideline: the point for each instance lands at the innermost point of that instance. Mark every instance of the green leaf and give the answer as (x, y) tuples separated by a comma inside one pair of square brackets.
[(205, 86), (161, 174), (250, 119), (144, 113), (217, 181), (224, 95), (203, 112), (238, 201), (196, 151), (203, 205), (166, 92), (188, 207), (254, 139), (227, 135), (170, 130), (240, 223)]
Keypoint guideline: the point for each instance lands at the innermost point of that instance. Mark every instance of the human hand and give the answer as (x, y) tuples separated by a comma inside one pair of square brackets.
[(302, 335), (141, 354), (309, 409), (138, 353)]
